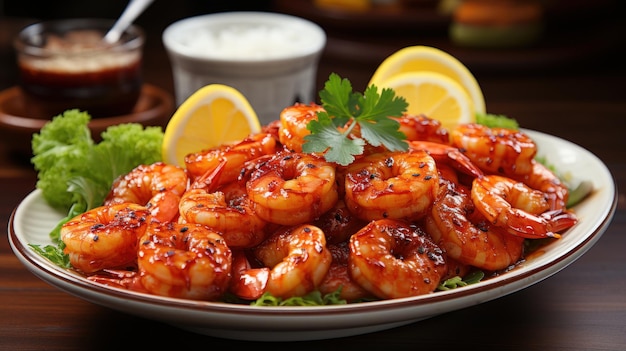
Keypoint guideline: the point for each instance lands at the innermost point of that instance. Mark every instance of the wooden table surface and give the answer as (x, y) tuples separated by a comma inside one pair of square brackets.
[(583, 307)]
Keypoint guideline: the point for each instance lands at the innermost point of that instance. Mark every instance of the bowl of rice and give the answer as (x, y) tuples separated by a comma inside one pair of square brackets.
[(271, 58)]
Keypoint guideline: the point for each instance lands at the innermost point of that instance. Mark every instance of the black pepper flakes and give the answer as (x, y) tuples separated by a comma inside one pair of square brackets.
[(389, 162)]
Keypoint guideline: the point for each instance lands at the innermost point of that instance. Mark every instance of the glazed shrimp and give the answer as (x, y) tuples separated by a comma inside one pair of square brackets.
[(105, 237), (543, 179), (522, 211), (248, 282), (235, 156), (189, 261), (225, 208), (447, 174), (338, 223), (119, 278), (157, 186), (495, 150), (449, 155), (466, 236), (393, 259), (422, 128), (293, 123), (398, 185), (298, 260), (338, 276), (292, 188)]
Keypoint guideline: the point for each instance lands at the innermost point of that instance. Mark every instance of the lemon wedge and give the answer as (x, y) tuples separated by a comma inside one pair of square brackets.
[(434, 95), (425, 58), (215, 114)]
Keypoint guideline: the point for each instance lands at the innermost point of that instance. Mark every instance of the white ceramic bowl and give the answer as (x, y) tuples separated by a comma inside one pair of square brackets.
[(269, 57)]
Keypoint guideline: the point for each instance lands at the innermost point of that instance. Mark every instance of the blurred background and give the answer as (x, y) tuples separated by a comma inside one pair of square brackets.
[(363, 32), (578, 55)]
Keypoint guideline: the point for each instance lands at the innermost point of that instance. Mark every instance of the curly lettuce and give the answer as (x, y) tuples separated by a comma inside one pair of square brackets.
[(73, 170), (496, 121)]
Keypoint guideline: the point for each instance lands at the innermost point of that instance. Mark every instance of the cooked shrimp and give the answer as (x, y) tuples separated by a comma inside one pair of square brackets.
[(399, 185), (292, 188), (119, 278), (448, 155), (393, 259), (455, 268), (298, 260), (227, 209), (467, 237), (293, 124), (495, 150), (420, 127), (248, 283), (189, 261), (447, 174), (522, 211), (338, 276), (543, 179), (157, 186), (338, 223), (235, 155), (272, 128), (105, 237)]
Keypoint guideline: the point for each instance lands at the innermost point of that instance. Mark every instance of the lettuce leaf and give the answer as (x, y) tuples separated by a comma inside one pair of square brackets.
[(496, 121), (73, 170)]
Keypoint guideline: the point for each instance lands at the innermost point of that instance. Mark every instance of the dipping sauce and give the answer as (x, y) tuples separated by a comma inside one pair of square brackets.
[(65, 65)]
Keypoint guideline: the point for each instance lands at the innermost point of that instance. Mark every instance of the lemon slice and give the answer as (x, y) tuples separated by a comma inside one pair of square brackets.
[(215, 114), (434, 95), (426, 58)]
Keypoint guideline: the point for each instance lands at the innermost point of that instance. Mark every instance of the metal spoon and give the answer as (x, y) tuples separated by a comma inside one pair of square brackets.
[(132, 11)]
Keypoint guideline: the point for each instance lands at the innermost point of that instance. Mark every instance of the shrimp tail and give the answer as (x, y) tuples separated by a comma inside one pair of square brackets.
[(209, 181), (463, 163), (247, 283), (560, 220), (449, 155), (546, 225), (122, 279)]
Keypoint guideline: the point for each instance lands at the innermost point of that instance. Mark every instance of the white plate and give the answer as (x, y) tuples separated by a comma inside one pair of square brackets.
[(33, 219)]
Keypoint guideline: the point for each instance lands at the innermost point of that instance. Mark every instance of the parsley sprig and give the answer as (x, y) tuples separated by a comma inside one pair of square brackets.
[(344, 109)]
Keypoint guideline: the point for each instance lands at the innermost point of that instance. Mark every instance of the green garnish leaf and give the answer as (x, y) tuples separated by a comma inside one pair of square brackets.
[(314, 298), (474, 277), (579, 193), (324, 133), (54, 254), (496, 121), (457, 281), (345, 109)]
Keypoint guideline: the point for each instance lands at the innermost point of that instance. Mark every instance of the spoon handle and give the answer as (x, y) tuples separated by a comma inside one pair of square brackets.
[(132, 11)]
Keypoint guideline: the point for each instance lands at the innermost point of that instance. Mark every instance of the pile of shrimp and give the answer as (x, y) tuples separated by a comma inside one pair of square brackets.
[(260, 216)]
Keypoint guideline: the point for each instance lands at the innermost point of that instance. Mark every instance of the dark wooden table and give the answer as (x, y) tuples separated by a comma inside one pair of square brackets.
[(583, 307)]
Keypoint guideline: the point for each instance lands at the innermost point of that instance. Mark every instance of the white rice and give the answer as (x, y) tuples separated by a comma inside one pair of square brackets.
[(249, 42)]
